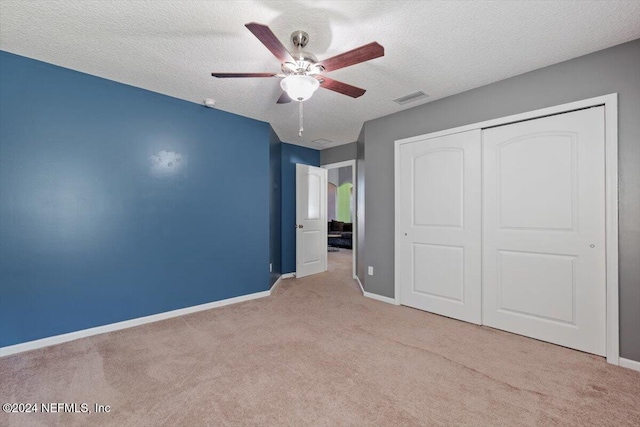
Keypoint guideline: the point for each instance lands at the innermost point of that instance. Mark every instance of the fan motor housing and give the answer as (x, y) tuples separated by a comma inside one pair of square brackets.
[(307, 64)]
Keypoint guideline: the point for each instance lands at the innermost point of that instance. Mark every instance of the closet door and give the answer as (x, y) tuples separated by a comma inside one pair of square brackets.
[(439, 259), (544, 229)]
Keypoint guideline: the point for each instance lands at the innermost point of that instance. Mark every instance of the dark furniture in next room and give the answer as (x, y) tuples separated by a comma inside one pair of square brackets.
[(342, 229)]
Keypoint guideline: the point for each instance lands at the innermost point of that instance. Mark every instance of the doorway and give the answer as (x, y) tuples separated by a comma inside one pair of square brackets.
[(341, 215)]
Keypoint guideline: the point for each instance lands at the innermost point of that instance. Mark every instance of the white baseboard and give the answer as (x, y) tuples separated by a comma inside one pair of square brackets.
[(288, 276), (379, 297), (275, 285), (629, 364), (71, 336), (360, 283)]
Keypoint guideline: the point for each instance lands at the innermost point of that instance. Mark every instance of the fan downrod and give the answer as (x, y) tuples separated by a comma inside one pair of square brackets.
[(299, 39)]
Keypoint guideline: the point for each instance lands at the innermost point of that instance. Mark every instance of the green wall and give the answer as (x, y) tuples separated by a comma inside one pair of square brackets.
[(344, 202)]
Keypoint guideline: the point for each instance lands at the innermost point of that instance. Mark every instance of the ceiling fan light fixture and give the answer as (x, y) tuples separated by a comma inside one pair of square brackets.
[(299, 87)]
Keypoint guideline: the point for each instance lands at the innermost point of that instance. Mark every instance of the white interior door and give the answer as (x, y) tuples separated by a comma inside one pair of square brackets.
[(440, 225), (311, 220), (544, 229)]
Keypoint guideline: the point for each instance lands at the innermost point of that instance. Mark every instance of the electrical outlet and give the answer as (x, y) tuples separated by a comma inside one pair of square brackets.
[(370, 271), (270, 267)]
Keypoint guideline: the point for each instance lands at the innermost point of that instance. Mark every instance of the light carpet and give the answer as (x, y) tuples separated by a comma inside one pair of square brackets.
[(318, 353)]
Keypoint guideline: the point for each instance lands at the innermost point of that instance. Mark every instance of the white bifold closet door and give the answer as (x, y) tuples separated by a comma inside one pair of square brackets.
[(544, 229), (440, 225)]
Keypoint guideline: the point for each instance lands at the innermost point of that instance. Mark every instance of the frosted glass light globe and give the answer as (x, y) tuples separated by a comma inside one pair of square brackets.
[(299, 87)]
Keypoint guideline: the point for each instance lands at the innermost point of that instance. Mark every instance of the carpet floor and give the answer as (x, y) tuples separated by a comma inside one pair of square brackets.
[(318, 353)]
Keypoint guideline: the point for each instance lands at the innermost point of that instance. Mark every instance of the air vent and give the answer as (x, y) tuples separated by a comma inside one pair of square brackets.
[(321, 141), (412, 97)]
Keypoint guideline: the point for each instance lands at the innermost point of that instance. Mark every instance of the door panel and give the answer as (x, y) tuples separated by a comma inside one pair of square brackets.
[(435, 205), (441, 270), (537, 285), (311, 220), (519, 161), (439, 222), (544, 229), (313, 198), (311, 245)]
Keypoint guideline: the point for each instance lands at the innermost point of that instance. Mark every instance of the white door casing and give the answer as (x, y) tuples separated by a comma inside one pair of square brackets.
[(440, 225), (544, 272), (311, 220)]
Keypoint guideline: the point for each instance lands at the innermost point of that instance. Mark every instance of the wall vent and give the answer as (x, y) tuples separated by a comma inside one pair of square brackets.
[(412, 97), (321, 141)]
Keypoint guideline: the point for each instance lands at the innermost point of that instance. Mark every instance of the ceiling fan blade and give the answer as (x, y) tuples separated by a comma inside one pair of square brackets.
[(266, 36), (340, 87), (355, 56), (284, 98), (229, 75)]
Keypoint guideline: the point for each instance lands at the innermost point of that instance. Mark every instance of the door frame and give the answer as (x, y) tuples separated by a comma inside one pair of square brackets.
[(354, 239), (610, 104)]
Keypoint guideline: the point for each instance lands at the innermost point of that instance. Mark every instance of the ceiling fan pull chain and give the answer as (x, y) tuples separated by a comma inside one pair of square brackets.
[(301, 116)]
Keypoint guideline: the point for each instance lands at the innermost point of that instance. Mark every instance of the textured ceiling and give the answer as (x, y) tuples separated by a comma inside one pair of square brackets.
[(441, 48)]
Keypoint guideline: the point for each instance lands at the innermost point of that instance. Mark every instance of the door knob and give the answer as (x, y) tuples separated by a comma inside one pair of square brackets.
[(301, 226)]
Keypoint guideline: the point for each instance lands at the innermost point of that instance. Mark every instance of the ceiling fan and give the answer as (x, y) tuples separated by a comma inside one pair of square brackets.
[(301, 72)]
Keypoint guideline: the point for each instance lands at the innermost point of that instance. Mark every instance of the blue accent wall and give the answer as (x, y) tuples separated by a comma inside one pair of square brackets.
[(117, 202), (292, 154), (275, 205)]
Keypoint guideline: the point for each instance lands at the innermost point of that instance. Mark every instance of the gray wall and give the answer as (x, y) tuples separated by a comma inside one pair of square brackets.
[(333, 176), (616, 69), (360, 208), (338, 154), (345, 175), (339, 176)]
